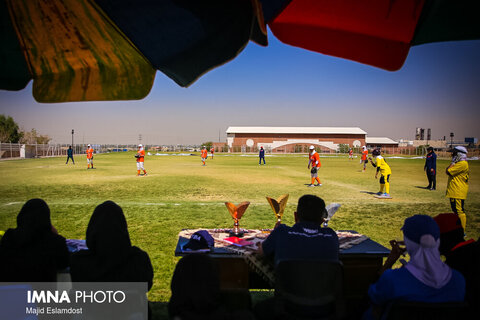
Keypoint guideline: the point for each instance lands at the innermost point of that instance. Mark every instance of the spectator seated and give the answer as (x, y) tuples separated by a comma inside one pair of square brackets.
[(32, 252), (310, 289), (425, 278), (196, 292)]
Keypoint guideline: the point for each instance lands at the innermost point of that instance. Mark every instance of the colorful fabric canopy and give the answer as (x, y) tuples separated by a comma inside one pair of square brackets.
[(85, 50), (374, 32)]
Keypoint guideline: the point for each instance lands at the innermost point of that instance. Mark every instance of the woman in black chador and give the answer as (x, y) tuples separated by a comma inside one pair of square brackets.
[(110, 256), (32, 252)]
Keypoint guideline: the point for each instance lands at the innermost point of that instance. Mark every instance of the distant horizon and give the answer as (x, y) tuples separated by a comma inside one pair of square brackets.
[(278, 85), (144, 138)]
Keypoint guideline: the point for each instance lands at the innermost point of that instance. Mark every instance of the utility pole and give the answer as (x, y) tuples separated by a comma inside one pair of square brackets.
[(72, 136), (451, 140)]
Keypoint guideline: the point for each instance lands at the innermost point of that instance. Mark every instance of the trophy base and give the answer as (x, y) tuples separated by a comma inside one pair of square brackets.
[(238, 234)]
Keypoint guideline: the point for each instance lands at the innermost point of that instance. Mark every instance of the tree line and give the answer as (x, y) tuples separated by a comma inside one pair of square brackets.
[(10, 132)]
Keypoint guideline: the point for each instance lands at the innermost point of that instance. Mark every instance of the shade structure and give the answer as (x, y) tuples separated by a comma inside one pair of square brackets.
[(86, 50), (374, 32), (74, 53)]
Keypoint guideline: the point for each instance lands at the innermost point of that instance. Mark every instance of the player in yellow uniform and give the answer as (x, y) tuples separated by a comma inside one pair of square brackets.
[(379, 162), (457, 185)]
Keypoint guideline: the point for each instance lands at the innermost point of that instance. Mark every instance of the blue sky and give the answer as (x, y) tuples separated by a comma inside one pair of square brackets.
[(280, 85)]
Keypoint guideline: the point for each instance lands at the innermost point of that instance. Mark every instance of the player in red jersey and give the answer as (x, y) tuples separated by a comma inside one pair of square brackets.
[(364, 158), (204, 155), (90, 152), (140, 160), (314, 160)]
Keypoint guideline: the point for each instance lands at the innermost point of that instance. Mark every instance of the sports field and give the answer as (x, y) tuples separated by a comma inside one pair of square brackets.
[(180, 193)]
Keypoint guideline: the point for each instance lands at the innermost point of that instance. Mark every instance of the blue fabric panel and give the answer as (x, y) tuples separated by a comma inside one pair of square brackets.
[(184, 38)]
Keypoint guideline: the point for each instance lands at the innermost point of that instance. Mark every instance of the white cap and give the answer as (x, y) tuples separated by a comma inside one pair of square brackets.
[(312, 147), (203, 147), (88, 145), (140, 145), (461, 149)]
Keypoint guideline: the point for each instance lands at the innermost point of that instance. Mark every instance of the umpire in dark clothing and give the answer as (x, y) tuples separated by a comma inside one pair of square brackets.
[(261, 155), (70, 154), (431, 168)]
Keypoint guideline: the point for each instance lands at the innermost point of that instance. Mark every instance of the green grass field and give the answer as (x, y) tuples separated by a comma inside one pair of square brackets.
[(179, 193)]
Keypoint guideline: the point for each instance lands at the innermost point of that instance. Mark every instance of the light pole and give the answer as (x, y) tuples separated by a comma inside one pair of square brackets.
[(451, 140), (72, 137)]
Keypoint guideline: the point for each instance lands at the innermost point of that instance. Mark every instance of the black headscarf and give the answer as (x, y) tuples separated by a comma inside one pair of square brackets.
[(32, 251), (107, 231), (33, 220), (110, 255)]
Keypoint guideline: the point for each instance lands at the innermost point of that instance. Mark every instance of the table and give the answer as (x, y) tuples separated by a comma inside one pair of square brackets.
[(361, 263)]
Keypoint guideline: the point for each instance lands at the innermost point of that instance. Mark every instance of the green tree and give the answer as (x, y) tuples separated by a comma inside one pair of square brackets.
[(343, 148), (208, 145), (32, 137), (9, 131)]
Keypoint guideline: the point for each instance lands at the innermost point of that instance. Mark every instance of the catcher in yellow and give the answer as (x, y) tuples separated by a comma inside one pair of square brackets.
[(379, 162), (457, 185), (140, 160)]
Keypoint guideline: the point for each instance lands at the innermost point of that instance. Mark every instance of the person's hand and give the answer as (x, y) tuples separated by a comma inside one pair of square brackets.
[(376, 175), (431, 170), (277, 224), (398, 249), (308, 166)]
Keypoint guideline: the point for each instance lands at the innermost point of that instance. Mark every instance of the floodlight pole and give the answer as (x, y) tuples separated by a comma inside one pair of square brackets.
[(451, 140), (72, 137)]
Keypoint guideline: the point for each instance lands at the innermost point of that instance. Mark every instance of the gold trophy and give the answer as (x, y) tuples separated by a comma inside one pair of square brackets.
[(237, 212), (278, 206)]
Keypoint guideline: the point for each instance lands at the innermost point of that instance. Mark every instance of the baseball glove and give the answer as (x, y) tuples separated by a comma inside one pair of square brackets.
[(314, 170), (137, 156)]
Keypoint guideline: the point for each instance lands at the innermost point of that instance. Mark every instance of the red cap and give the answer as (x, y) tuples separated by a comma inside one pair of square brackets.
[(448, 222)]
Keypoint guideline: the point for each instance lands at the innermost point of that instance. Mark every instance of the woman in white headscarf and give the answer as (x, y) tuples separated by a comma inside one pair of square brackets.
[(425, 278)]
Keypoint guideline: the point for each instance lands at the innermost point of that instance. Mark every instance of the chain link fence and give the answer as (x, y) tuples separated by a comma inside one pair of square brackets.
[(19, 151)]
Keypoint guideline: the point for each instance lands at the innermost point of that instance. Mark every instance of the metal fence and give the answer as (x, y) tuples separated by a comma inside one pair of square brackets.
[(16, 150)]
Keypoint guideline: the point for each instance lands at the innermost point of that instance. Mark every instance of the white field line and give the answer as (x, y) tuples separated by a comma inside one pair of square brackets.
[(123, 203)]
